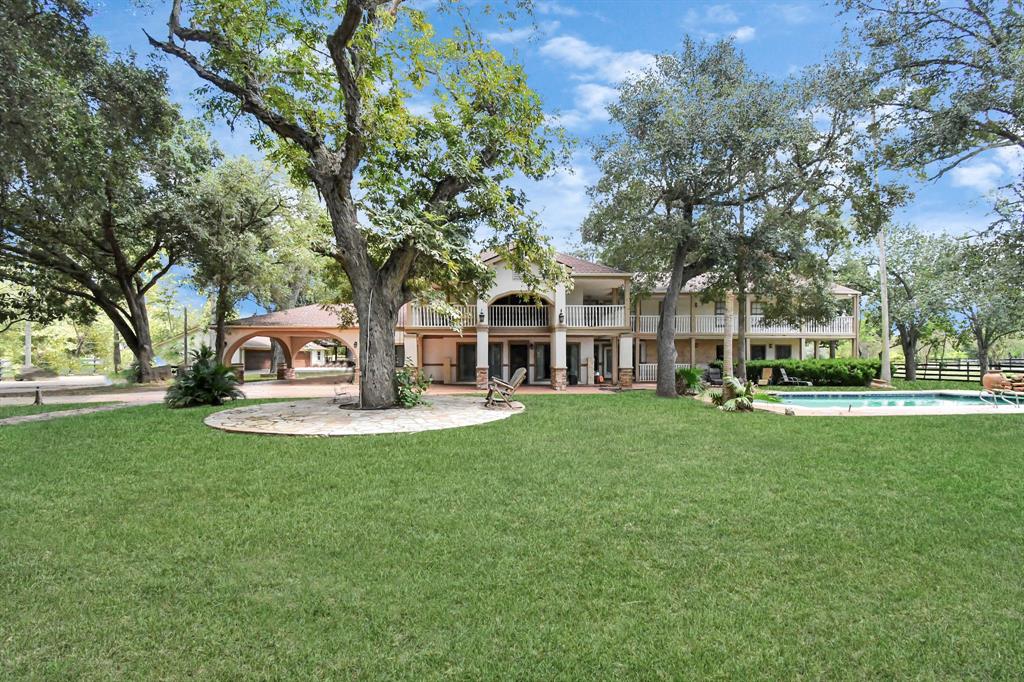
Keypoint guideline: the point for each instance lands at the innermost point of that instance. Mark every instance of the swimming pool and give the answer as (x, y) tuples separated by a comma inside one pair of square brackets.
[(887, 399)]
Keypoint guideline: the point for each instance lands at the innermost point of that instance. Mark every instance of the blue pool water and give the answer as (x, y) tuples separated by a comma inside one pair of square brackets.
[(916, 399)]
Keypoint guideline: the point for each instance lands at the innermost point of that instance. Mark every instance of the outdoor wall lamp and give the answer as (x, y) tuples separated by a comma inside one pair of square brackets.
[(561, 317), (481, 317)]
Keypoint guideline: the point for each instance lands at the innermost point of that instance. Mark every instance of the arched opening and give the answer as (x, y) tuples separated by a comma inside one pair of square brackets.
[(519, 309), (259, 351)]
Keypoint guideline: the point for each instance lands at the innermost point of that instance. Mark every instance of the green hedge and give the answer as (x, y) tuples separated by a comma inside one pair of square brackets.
[(838, 372)]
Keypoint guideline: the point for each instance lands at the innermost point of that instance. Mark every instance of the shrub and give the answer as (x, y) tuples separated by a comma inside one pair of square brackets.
[(837, 372), (206, 382), (732, 396), (411, 383), (687, 380)]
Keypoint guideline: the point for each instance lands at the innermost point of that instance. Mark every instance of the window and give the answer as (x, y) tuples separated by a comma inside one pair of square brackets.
[(719, 352), (719, 307), (758, 351), (783, 352), (399, 356), (757, 308)]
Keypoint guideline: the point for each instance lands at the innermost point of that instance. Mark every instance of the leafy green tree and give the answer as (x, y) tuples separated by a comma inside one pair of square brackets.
[(693, 132), (774, 252), (237, 212), (918, 287), (328, 86), (95, 164), (985, 293), (949, 75)]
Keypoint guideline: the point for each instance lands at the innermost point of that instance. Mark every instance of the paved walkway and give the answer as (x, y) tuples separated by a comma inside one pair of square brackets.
[(327, 418), (57, 414)]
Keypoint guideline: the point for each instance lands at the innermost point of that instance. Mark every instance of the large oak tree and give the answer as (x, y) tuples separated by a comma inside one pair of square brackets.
[(328, 85), (95, 164), (692, 133)]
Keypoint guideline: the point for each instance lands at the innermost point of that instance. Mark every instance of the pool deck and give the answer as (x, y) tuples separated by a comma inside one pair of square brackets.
[(894, 411)]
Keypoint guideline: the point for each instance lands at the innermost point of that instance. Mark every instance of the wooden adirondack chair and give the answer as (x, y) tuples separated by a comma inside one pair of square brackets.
[(499, 390)]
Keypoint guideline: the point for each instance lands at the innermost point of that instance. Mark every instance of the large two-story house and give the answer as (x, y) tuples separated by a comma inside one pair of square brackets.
[(589, 331)]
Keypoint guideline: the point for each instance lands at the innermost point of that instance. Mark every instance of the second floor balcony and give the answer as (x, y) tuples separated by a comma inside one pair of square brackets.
[(714, 325)]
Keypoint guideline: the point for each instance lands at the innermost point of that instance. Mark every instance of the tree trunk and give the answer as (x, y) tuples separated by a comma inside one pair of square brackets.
[(727, 361), (378, 316), (909, 343), (983, 349), (140, 341), (220, 325), (741, 334), (832, 350), (667, 322)]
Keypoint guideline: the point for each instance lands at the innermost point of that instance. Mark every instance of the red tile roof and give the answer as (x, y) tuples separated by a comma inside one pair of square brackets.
[(579, 266), (304, 316)]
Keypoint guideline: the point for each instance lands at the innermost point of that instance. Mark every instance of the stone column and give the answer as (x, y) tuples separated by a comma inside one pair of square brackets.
[(559, 371), (626, 361), (482, 369)]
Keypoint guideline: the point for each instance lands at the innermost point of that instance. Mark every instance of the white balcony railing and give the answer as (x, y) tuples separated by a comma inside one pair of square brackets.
[(711, 324), (758, 325), (840, 326), (518, 316), (647, 372), (648, 324), (421, 316), (595, 316)]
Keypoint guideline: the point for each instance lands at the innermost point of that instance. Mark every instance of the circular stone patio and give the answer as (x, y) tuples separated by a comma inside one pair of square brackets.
[(324, 417)]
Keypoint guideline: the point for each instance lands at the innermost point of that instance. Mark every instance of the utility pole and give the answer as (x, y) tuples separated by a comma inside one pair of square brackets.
[(28, 345), (883, 279), (184, 360), (117, 352)]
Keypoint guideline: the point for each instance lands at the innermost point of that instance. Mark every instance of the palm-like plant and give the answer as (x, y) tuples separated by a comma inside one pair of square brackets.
[(733, 396), (206, 382)]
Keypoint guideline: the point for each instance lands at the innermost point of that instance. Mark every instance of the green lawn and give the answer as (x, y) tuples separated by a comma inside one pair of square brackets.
[(19, 410), (594, 536)]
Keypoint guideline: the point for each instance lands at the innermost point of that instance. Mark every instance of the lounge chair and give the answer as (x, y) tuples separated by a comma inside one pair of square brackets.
[(498, 389), (766, 377), (786, 380), (998, 387), (713, 376)]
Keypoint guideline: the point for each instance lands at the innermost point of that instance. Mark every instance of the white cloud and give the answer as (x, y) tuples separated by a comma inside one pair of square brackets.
[(519, 35), (792, 13), (596, 61), (1011, 158), (720, 14), (744, 34), (591, 105), (557, 9), (983, 177), (561, 200)]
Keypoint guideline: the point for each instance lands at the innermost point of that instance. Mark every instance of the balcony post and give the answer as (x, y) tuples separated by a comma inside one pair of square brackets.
[(627, 303), (482, 367)]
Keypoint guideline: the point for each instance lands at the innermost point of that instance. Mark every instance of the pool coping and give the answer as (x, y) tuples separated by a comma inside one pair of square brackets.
[(804, 411)]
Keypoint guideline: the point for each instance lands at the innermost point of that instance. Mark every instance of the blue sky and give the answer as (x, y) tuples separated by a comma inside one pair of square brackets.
[(581, 52)]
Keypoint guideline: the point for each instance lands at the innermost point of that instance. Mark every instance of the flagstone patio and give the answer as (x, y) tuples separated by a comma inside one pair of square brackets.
[(325, 417)]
